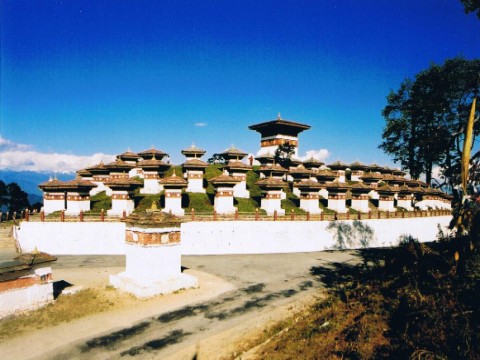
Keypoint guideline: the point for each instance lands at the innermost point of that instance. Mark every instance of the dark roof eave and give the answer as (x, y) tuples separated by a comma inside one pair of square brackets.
[(292, 124)]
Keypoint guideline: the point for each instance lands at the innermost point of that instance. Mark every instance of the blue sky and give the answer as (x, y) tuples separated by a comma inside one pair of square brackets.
[(81, 79)]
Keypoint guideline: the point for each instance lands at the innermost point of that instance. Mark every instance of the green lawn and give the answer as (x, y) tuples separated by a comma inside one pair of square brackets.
[(200, 202), (100, 201)]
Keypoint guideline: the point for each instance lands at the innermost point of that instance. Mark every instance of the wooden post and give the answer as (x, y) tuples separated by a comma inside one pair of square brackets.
[(236, 213), (388, 214), (1, 215), (27, 215), (275, 215), (193, 214), (308, 216), (359, 217), (348, 215), (124, 214), (322, 216), (62, 215), (42, 216), (256, 214), (292, 215), (403, 214), (335, 216), (214, 215), (102, 215), (81, 215), (369, 215)]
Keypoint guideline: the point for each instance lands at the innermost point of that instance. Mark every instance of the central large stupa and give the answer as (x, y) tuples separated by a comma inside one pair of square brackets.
[(278, 132)]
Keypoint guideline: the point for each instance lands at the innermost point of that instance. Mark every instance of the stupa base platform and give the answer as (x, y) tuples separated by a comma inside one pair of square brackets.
[(145, 290)]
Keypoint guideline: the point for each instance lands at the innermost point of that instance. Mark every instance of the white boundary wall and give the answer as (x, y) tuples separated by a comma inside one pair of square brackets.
[(224, 237), (267, 237), (73, 238)]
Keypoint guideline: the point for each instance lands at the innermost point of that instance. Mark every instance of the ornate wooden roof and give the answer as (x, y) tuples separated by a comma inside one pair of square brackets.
[(174, 182), (224, 179), (270, 183), (279, 126), (233, 153), (194, 163), (237, 165), (193, 150), (151, 153), (128, 156)]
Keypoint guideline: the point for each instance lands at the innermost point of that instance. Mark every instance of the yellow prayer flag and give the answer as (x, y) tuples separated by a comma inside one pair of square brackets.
[(467, 145)]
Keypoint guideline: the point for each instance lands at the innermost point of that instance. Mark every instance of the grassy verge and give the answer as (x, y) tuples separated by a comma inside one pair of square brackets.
[(65, 309), (410, 302)]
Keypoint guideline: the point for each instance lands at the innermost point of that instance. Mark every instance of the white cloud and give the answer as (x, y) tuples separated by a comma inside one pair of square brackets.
[(320, 155), (19, 157), (6, 145), (200, 124)]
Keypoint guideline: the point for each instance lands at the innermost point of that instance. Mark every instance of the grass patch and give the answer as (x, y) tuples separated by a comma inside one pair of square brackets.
[(352, 210), (252, 178), (247, 205), (200, 202), (289, 205), (65, 309), (144, 202), (177, 169), (100, 201), (323, 332), (213, 170)]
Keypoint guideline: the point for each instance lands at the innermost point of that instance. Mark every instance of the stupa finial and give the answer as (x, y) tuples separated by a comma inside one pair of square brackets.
[(154, 206), (279, 116)]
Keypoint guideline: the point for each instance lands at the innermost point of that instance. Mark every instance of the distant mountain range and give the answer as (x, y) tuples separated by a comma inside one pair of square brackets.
[(29, 181)]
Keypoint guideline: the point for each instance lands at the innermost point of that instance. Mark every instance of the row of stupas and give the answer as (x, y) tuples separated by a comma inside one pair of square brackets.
[(337, 185)]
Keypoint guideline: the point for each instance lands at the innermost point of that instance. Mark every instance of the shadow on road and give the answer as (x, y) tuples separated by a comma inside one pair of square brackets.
[(337, 274)]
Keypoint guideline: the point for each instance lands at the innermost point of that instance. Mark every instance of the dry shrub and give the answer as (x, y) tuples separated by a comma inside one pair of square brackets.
[(420, 304)]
